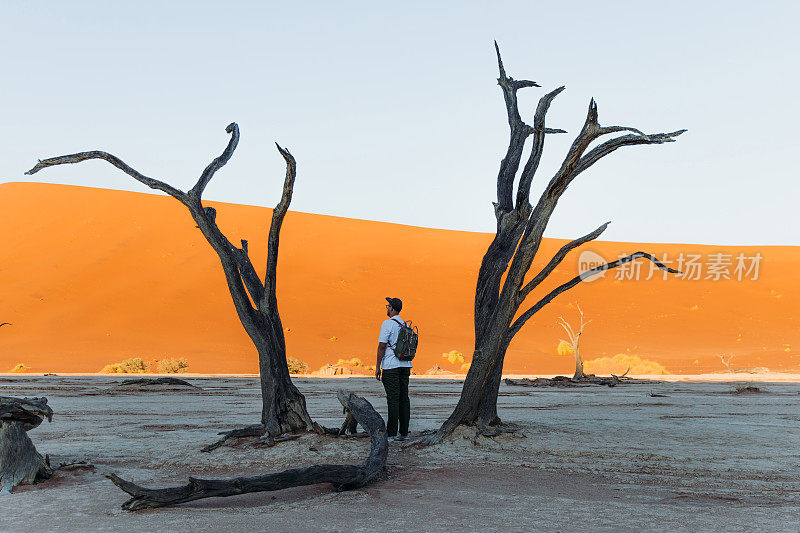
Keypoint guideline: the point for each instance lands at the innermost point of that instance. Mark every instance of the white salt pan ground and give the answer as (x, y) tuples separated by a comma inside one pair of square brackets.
[(698, 458)]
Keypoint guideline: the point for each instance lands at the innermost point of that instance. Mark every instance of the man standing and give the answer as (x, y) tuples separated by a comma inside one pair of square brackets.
[(393, 372)]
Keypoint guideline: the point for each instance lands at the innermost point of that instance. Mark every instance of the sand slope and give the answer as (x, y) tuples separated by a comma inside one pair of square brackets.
[(93, 276)]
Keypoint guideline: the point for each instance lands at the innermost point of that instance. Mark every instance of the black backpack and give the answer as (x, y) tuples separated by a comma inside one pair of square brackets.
[(406, 347)]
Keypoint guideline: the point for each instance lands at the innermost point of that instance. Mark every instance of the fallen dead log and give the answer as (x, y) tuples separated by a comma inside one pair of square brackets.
[(20, 463), (342, 477), (586, 381), (157, 383)]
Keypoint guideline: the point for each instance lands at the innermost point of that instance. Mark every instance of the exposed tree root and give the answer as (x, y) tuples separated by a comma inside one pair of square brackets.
[(256, 430), (269, 442), (75, 465), (343, 477), (496, 431)]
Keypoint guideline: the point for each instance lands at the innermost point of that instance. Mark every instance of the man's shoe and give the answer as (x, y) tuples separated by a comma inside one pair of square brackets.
[(392, 439), (401, 437)]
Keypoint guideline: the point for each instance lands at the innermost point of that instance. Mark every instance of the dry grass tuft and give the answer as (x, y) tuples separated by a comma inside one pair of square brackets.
[(296, 366), (170, 366), (454, 357), (20, 368), (136, 365), (620, 363), (564, 348)]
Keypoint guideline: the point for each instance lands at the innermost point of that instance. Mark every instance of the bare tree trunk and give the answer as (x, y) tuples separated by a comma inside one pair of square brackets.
[(501, 289), (578, 367), (283, 406), (20, 463)]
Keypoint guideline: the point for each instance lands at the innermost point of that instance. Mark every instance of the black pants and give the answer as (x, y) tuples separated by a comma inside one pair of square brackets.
[(395, 381)]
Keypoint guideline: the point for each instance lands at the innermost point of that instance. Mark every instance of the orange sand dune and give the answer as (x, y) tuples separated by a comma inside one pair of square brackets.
[(94, 276)]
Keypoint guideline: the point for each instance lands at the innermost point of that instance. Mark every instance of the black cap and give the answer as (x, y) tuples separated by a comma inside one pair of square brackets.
[(397, 303)]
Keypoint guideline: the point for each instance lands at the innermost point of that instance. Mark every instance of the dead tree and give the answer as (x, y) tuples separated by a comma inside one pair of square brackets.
[(727, 362), (283, 406), (501, 286), (574, 343), (20, 463), (343, 477)]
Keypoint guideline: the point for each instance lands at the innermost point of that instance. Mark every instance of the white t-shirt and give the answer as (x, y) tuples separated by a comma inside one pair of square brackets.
[(390, 329)]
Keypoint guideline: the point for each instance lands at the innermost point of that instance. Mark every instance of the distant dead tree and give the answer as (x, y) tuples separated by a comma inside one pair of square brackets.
[(283, 406), (727, 362), (501, 289), (574, 340)]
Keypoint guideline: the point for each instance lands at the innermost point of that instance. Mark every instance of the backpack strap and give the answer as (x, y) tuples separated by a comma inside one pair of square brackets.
[(401, 324)]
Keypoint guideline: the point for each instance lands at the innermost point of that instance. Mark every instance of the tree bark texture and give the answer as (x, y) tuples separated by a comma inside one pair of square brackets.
[(20, 463), (501, 286), (283, 406), (343, 477)]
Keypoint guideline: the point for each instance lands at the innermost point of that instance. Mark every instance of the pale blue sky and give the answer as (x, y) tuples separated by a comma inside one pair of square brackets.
[(393, 112)]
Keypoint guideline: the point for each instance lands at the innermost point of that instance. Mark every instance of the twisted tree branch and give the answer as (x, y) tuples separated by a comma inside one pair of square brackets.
[(519, 132), (595, 154), (268, 301), (217, 163), (249, 275), (557, 258), (539, 129), (117, 162), (517, 325)]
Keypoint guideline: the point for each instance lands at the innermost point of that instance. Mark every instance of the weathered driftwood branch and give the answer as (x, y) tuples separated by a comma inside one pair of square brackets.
[(343, 477), (20, 463)]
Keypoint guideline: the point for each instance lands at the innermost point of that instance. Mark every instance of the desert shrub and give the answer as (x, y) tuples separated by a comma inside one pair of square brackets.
[(746, 388), (620, 363), (355, 361), (296, 366), (170, 366), (134, 365), (565, 348), (454, 357), (20, 368)]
